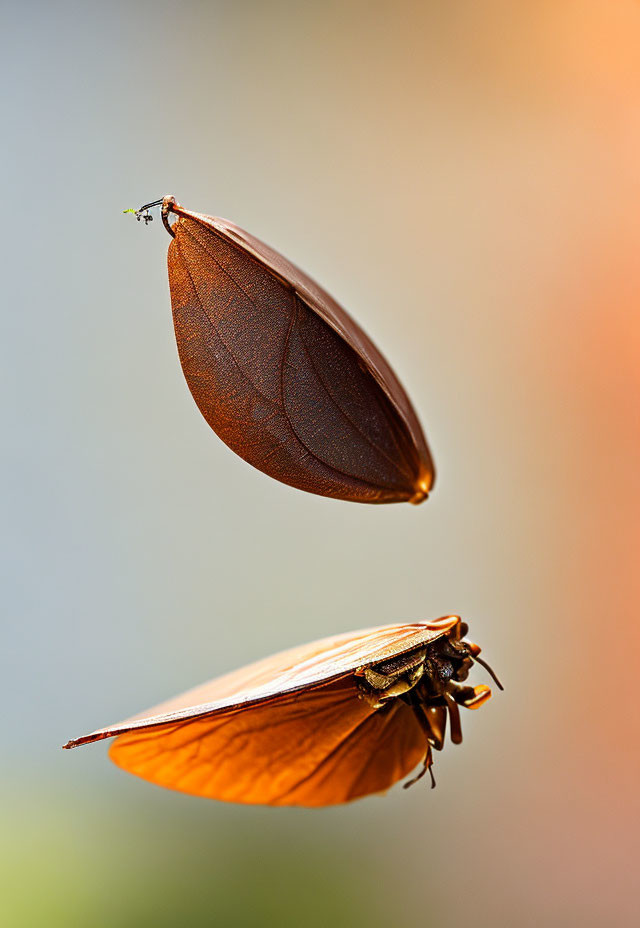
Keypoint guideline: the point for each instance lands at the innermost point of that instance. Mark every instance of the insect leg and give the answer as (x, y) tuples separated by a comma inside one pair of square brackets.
[(427, 765), (471, 697), (455, 729), (428, 760)]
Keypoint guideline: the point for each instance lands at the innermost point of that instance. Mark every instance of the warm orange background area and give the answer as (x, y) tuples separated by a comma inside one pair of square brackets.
[(465, 178)]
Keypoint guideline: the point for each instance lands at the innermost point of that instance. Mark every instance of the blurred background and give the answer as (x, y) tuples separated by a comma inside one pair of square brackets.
[(463, 177)]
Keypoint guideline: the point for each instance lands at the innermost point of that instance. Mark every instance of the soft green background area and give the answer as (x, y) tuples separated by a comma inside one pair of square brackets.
[(463, 176)]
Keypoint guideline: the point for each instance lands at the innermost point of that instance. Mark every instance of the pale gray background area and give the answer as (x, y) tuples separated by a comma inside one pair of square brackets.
[(464, 178)]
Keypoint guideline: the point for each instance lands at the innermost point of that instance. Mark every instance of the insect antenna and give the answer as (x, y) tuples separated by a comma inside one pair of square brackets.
[(144, 214), (484, 664), (149, 206)]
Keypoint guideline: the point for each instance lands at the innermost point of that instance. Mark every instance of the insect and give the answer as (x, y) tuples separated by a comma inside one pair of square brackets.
[(284, 376), (317, 725)]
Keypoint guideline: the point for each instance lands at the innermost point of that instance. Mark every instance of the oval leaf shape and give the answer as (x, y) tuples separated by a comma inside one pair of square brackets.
[(316, 725), (283, 374)]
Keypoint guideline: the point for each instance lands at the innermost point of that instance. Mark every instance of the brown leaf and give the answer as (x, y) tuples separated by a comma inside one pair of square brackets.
[(283, 374)]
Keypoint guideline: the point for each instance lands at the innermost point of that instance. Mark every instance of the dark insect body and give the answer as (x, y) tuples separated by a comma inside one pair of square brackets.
[(317, 725), (284, 376)]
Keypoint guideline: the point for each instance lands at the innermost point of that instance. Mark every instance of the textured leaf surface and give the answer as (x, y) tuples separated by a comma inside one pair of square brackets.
[(284, 376)]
